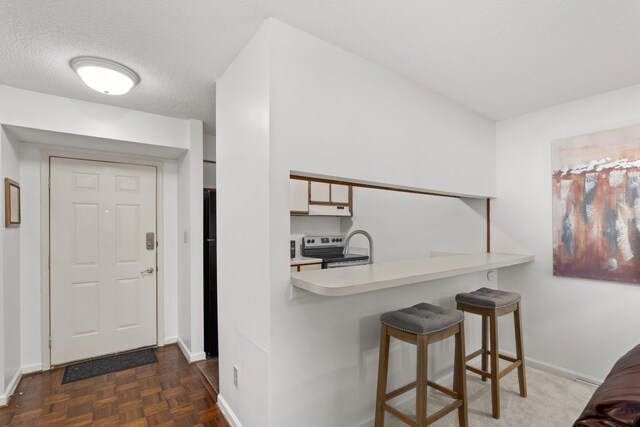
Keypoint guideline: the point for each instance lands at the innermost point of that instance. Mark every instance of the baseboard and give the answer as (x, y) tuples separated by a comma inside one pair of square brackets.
[(191, 357), (228, 412), (197, 357), (170, 340), (29, 369), (548, 367), (11, 388)]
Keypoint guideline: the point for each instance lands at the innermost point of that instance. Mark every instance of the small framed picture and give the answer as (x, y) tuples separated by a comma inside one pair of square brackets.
[(11, 203)]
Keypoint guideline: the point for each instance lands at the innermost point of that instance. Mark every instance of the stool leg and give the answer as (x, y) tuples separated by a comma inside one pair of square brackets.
[(485, 347), (495, 365), (421, 381), (522, 378), (460, 386), (383, 368), (455, 371)]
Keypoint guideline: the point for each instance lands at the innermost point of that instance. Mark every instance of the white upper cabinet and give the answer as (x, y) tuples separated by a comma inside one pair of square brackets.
[(339, 193), (299, 195), (313, 198), (320, 192)]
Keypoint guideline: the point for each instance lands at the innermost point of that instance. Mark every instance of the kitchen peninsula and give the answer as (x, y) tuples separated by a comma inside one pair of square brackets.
[(372, 277)]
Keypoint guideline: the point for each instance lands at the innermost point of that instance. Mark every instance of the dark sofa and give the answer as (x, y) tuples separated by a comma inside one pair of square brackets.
[(616, 403)]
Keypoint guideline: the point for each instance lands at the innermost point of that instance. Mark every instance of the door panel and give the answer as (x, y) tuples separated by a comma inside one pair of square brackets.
[(102, 300), (128, 232), (128, 295), (85, 308), (86, 234)]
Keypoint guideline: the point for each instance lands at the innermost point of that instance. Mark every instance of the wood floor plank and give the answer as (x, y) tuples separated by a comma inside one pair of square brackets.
[(168, 393)]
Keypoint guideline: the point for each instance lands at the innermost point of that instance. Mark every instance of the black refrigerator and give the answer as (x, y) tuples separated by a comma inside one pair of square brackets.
[(210, 276)]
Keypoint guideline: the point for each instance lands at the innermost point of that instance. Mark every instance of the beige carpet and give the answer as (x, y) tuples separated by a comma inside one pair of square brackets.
[(552, 401)]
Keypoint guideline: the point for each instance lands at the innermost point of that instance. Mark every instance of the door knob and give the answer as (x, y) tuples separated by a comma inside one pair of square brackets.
[(147, 271)]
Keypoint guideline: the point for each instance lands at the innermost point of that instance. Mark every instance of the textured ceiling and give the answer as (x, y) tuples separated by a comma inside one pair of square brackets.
[(499, 58)]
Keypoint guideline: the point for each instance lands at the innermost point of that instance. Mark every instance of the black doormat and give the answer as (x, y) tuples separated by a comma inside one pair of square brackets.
[(107, 365)]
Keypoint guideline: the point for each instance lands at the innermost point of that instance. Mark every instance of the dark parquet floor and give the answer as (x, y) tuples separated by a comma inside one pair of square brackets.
[(211, 372), (168, 393)]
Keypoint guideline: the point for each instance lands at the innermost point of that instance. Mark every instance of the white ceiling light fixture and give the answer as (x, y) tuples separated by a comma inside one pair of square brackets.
[(105, 76)]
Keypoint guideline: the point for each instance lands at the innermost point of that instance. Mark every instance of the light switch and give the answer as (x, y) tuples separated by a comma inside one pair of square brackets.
[(186, 237)]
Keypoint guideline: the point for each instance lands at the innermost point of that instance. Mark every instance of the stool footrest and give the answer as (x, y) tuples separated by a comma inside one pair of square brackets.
[(443, 389), (478, 371), (509, 368), (473, 355), (401, 416), (434, 417), (509, 358), (514, 364), (430, 419), (480, 351), (444, 411), (399, 391)]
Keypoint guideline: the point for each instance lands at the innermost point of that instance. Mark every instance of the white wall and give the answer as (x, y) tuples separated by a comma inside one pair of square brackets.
[(209, 148), (407, 226), (3, 393), (242, 152), (171, 239), (334, 113), (59, 123), (313, 225), (31, 319), (209, 175), (579, 326), (341, 366), (209, 169), (184, 290), (293, 102), (343, 116), (30, 288), (10, 273), (190, 266), (35, 110)]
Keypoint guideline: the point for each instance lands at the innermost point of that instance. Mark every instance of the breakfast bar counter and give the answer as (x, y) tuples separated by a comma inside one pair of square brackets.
[(372, 277)]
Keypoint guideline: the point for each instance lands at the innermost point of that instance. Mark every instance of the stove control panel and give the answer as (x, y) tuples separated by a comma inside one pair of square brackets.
[(322, 241)]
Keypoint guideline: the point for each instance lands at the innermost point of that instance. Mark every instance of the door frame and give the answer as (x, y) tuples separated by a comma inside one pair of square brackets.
[(46, 156)]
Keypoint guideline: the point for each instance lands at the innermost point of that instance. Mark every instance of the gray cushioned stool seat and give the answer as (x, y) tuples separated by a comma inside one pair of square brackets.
[(422, 319), (488, 298)]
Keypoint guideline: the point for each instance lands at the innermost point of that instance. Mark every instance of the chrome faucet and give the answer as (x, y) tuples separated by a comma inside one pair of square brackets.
[(365, 234)]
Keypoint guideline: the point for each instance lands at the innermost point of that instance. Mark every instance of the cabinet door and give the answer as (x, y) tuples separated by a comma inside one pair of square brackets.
[(299, 195), (339, 193), (320, 192)]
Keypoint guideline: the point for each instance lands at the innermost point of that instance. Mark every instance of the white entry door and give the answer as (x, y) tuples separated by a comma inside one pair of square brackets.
[(103, 272)]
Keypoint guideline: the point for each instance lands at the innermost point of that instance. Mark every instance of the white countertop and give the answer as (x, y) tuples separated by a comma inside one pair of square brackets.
[(373, 277), (304, 261)]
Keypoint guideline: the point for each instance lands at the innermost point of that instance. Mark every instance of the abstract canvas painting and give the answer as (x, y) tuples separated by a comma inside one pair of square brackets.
[(596, 205)]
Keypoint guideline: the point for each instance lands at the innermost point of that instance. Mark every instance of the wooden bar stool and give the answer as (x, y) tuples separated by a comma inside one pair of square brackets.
[(491, 304), (422, 325)]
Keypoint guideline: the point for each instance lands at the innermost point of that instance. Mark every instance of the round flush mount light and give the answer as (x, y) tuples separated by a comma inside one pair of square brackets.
[(105, 76)]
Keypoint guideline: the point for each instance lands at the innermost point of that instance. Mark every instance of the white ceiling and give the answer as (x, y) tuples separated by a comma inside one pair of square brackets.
[(499, 58)]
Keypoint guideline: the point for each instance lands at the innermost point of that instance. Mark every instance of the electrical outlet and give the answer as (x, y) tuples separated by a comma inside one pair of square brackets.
[(235, 376)]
